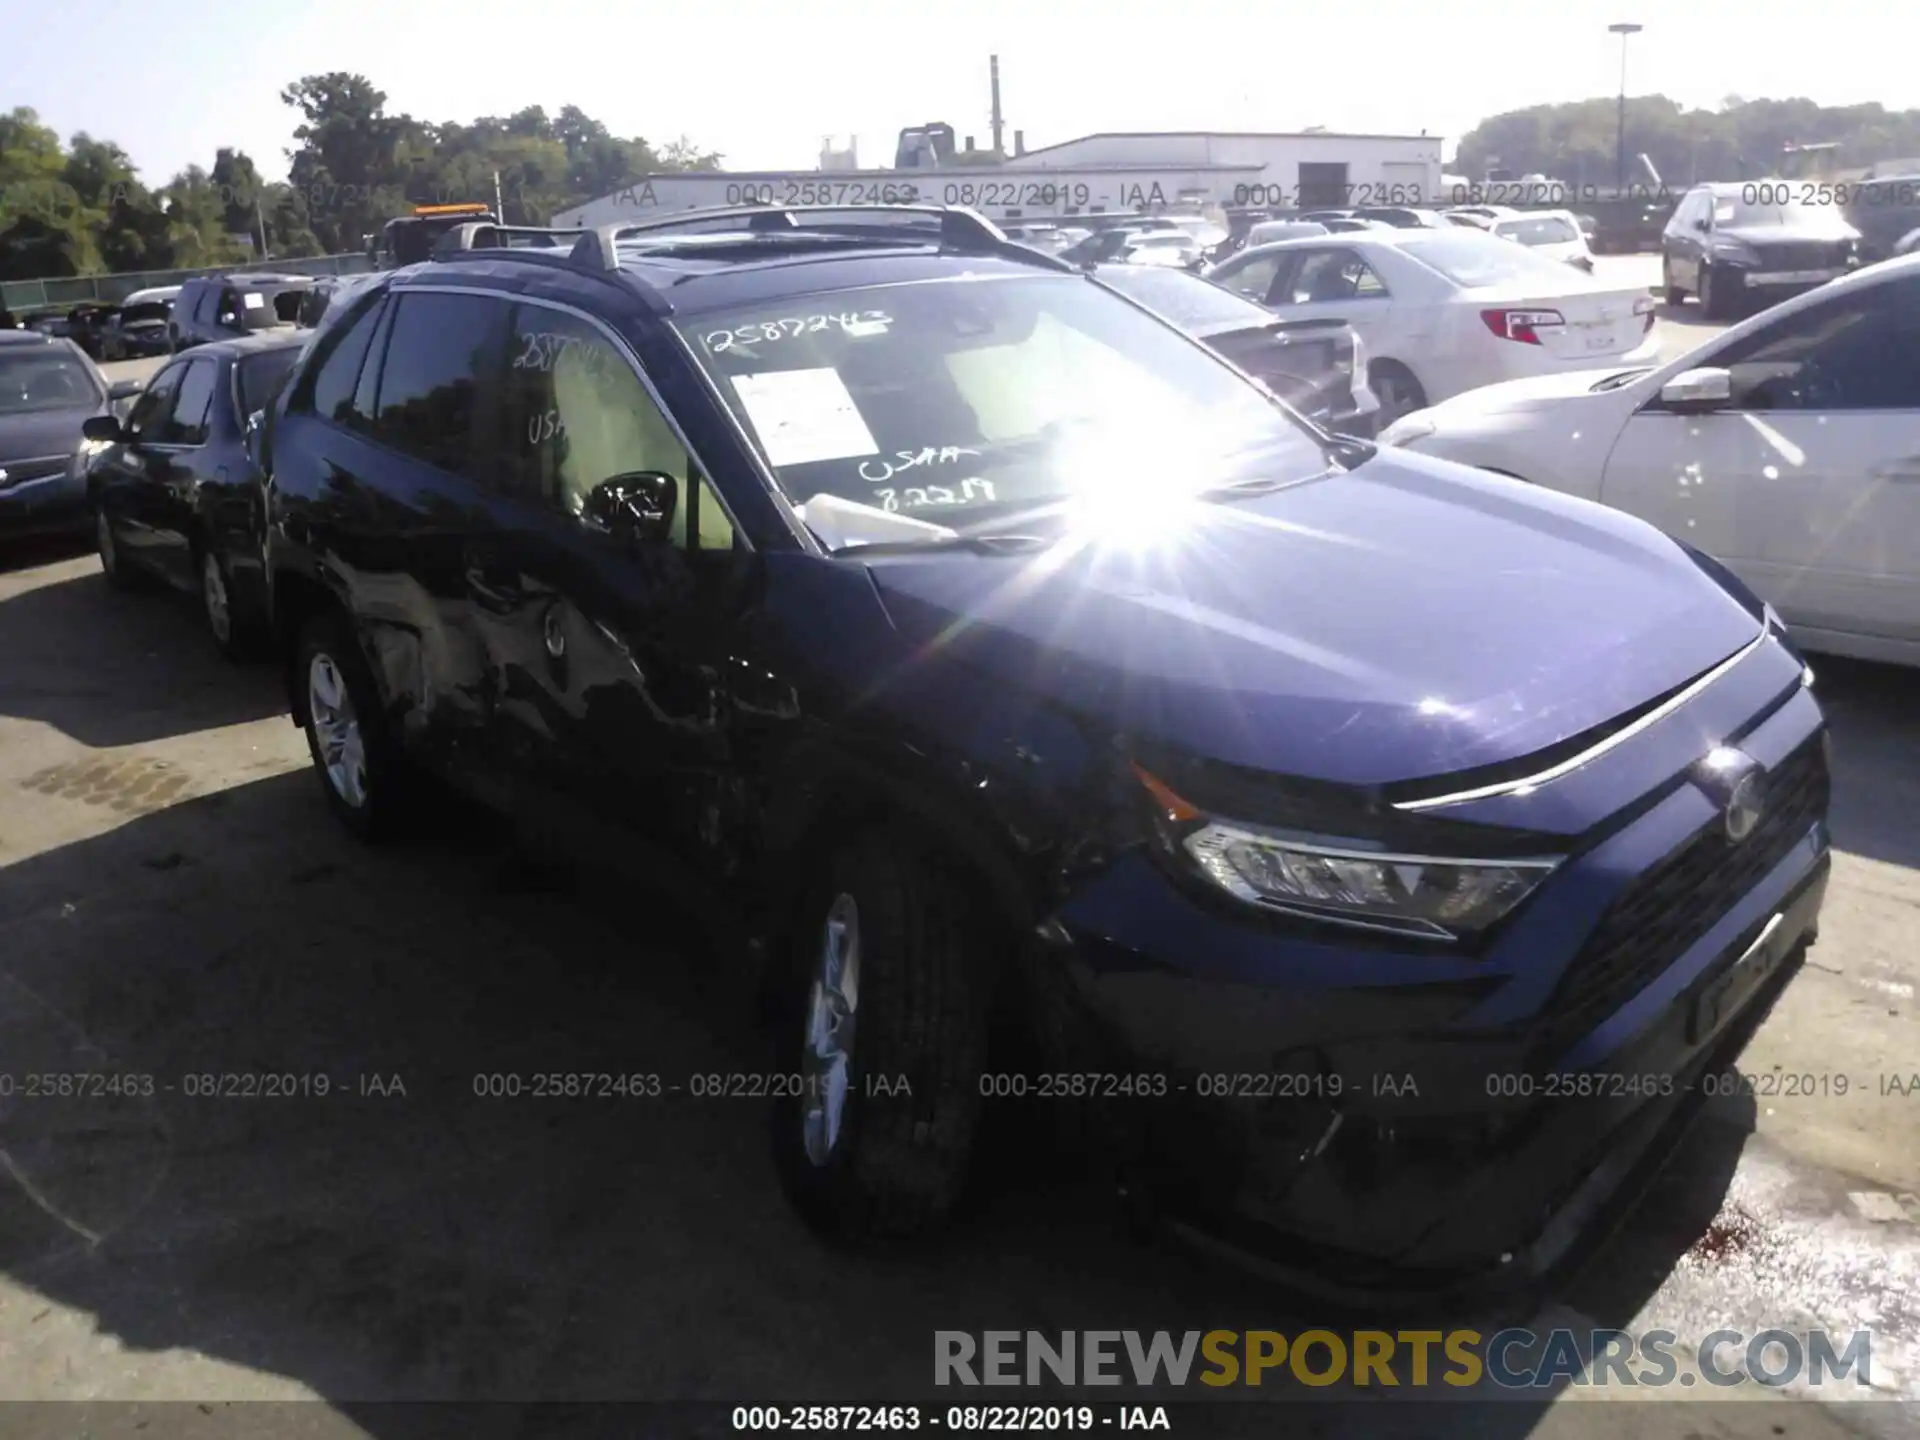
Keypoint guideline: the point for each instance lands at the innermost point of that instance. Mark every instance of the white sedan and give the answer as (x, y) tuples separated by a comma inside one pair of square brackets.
[(1553, 234), (1442, 311), (1787, 448)]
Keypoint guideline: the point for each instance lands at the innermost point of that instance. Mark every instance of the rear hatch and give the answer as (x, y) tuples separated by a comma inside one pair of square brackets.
[(1577, 323)]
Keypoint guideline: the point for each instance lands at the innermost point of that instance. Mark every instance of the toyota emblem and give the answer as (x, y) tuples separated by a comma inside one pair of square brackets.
[(1735, 782)]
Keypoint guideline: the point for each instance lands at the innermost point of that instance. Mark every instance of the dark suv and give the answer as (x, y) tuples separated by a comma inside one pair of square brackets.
[(985, 646), (225, 307)]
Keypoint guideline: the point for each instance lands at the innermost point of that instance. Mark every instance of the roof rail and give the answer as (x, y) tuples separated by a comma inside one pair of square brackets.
[(489, 235), (954, 226)]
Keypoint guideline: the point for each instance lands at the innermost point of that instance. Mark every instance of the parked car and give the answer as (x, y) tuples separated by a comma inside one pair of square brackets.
[(173, 493), (1788, 448), (1886, 212), (1551, 234), (1479, 217), (1161, 247), (1401, 217), (327, 292), (1111, 239), (137, 329), (225, 307), (1752, 243), (1268, 231), (49, 390), (1442, 311), (996, 641), (1318, 368)]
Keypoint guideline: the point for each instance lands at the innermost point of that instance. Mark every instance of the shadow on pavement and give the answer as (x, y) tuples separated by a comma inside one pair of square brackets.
[(112, 669), (403, 1237), (1875, 714)]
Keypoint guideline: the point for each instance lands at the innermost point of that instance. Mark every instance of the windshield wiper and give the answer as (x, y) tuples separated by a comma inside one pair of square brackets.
[(979, 544), (1625, 377)]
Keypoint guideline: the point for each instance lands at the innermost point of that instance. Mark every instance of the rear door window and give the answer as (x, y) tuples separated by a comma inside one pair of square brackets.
[(187, 424), (330, 392), (442, 350)]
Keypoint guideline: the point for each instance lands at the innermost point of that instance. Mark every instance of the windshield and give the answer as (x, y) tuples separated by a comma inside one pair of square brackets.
[(1544, 230), (1186, 300), (959, 401), (51, 379), (1472, 259), (1733, 212), (260, 375)]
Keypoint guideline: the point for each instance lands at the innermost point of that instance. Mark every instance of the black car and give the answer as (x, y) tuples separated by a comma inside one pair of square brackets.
[(1311, 364), (173, 492), (1886, 212), (49, 390), (137, 331), (1113, 238), (981, 645), (225, 307), (1745, 245)]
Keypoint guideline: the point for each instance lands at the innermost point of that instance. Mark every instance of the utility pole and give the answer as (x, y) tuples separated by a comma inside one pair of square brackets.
[(265, 254), (1623, 30), (499, 205)]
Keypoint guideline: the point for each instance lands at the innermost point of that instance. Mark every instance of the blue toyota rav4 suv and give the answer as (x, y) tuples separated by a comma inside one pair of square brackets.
[(1379, 847)]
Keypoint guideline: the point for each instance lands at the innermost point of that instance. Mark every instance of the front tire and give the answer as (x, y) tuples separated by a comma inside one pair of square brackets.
[(1674, 294), (1713, 295), (113, 564), (883, 1027), (355, 755), (236, 633)]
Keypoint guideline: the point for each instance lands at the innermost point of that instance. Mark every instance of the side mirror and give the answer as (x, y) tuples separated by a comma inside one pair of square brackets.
[(1706, 388), (123, 389), (103, 428), (637, 507)]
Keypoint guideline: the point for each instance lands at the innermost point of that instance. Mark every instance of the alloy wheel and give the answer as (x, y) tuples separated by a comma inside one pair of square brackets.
[(832, 1005), (336, 730), (213, 591)]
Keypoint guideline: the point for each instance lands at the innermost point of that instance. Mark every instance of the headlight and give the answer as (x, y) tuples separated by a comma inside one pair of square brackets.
[(1344, 882), (1737, 253), (1407, 428)]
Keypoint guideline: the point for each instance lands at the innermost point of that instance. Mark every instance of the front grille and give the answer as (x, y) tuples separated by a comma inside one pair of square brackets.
[(1803, 255), (1666, 910), (19, 471)]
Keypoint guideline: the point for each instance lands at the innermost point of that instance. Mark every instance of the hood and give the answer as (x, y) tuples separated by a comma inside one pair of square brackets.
[(1537, 392), (43, 432), (1406, 620), (1801, 232)]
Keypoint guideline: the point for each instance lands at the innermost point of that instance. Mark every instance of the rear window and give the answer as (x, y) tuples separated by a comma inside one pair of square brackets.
[(258, 376), (1186, 300), (1542, 230), (155, 313), (1472, 259)]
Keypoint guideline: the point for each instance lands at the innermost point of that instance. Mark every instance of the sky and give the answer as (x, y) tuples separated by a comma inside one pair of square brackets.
[(765, 83)]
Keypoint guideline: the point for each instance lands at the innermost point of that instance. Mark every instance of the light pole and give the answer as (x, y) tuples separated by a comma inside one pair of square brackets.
[(1623, 30)]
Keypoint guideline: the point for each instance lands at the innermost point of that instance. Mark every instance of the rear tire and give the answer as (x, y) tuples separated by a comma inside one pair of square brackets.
[(356, 757), (237, 633), (877, 1144), (1674, 294), (1400, 394)]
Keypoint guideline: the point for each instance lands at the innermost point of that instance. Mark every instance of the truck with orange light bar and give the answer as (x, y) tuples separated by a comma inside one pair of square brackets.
[(408, 239)]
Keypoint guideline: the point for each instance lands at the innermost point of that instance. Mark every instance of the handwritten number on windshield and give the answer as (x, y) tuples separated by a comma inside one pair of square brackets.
[(854, 323), (917, 498)]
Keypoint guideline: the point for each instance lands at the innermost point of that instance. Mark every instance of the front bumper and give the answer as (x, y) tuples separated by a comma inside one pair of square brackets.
[(51, 504), (1432, 1126)]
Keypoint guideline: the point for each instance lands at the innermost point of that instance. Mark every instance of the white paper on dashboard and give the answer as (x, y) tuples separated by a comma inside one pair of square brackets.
[(253, 300), (803, 416)]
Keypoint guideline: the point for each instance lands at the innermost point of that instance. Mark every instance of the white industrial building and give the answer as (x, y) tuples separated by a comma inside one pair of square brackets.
[(1097, 174)]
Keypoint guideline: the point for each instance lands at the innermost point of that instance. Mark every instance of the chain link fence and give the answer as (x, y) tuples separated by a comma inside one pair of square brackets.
[(19, 296)]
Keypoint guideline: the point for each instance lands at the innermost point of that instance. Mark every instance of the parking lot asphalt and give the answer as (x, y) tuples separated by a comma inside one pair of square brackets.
[(175, 904)]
